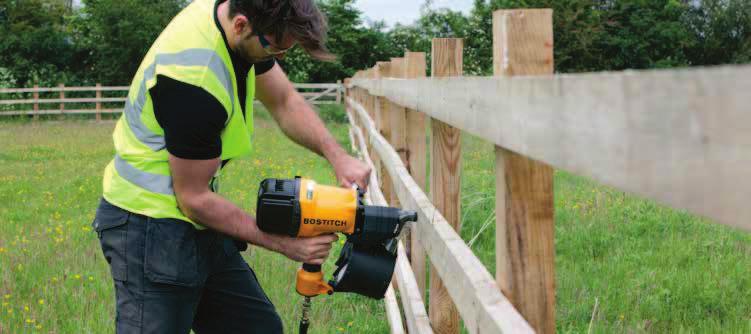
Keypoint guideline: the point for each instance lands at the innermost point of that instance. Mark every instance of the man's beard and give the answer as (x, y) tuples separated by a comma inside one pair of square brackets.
[(243, 53)]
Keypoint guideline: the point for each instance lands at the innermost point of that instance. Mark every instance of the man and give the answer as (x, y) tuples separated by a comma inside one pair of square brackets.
[(171, 241)]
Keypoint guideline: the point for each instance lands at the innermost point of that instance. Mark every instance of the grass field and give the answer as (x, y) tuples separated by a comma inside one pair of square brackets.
[(648, 268)]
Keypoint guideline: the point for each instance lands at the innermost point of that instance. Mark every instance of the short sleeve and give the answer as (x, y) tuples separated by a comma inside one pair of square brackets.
[(191, 117), (264, 66)]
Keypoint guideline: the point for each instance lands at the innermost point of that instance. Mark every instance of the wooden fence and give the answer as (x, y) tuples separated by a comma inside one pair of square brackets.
[(681, 137), (54, 103)]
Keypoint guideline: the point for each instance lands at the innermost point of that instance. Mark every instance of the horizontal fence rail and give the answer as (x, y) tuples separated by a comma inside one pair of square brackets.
[(675, 136), (27, 101), (681, 137)]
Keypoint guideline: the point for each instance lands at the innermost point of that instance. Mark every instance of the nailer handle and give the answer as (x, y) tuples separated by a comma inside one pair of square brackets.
[(311, 268), (310, 281)]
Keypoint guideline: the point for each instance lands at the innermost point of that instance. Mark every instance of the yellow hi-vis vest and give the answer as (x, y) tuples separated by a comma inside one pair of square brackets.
[(192, 50)]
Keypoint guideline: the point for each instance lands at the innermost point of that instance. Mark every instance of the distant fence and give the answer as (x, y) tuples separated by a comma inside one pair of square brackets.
[(681, 137), (53, 101)]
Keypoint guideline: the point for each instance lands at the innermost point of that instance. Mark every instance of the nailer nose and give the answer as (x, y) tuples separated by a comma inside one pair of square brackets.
[(407, 216)]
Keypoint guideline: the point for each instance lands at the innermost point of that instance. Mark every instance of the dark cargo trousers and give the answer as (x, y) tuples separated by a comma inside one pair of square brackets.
[(171, 278)]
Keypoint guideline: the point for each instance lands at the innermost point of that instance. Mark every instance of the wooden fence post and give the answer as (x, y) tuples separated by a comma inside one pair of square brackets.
[(36, 104), (398, 122), (383, 122), (62, 104), (525, 254), (416, 159), (338, 92), (445, 182), (363, 98), (98, 104)]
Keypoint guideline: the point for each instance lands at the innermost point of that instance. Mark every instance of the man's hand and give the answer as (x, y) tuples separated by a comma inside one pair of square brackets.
[(351, 171), (190, 180), (313, 250), (300, 123)]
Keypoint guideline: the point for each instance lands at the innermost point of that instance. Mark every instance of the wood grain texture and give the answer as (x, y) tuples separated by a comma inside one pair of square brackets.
[(525, 252), (417, 160), (681, 137), (525, 267), (523, 42), (483, 307), (445, 179)]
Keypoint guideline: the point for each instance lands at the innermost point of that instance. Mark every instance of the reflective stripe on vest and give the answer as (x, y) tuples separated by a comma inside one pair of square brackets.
[(189, 57), (191, 50), (160, 184)]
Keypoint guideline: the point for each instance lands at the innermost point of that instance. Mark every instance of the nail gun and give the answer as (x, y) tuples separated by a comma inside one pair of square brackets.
[(302, 208)]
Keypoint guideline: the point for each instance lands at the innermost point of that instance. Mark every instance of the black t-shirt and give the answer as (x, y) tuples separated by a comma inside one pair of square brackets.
[(191, 117)]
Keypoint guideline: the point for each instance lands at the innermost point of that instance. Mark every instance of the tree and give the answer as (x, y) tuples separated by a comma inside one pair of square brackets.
[(595, 35), (356, 46), (35, 48), (118, 33), (722, 29)]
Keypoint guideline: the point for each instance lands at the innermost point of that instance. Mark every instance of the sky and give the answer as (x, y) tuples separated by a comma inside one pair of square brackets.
[(393, 11), (404, 11)]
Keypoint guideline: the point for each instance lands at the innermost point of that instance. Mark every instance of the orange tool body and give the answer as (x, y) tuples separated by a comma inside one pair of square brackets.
[(302, 208)]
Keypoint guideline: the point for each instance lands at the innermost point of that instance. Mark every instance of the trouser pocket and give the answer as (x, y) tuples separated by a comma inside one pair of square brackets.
[(171, 255), (110, 225)]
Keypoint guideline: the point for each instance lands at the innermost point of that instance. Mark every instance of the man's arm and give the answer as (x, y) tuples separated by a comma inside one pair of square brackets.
[(192, 120), (190, 179), (301, 124)]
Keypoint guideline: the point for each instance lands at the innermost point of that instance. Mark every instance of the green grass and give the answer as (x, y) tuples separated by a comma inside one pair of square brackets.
[(52, 273), (651, 269)]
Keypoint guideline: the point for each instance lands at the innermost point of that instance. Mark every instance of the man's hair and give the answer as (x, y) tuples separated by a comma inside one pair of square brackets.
[(301, 19)]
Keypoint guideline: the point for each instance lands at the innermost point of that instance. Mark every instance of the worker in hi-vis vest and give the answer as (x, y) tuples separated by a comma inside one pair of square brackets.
[(172, 243)]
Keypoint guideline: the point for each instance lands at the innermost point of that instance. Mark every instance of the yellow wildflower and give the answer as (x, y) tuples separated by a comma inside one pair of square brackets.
[(77, 276), (26, 308), (91, 278), (41, 302), (6, 296), (2, 250)]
